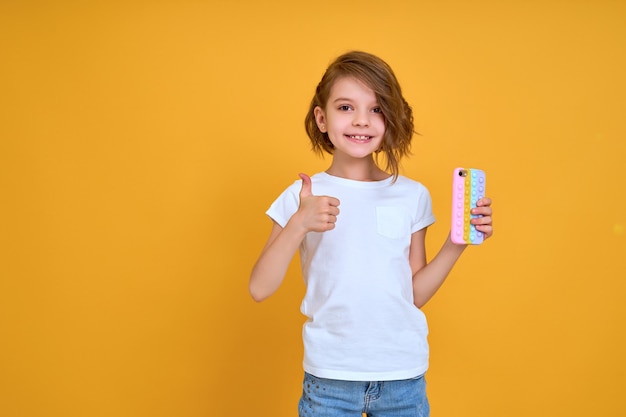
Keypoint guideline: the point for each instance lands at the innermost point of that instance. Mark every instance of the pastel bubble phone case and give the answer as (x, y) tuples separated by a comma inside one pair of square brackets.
[(468, 186)]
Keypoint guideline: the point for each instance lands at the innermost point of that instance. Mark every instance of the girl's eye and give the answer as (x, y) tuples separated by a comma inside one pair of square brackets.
[(345, 107), (377, 110)]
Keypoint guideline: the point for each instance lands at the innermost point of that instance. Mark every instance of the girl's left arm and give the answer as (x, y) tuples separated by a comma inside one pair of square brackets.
[(428, 277)]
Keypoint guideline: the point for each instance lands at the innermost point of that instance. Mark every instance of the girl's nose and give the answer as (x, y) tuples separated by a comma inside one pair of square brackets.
[(361, 119)]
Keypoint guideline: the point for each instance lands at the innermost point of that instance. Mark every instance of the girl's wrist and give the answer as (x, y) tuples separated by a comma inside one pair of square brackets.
[(455, 246), (297, 226)]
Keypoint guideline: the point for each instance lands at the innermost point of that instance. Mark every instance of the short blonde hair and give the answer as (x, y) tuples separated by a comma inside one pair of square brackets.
[(377, 75)]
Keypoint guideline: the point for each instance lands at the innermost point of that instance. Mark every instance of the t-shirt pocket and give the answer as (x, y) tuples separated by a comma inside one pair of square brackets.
[(393, 222)]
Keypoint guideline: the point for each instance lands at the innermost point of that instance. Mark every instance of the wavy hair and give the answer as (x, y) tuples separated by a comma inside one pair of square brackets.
[(377, 75)]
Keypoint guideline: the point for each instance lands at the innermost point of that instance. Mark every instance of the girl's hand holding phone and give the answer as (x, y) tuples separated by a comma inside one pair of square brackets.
[(483, 222), (471, 210)]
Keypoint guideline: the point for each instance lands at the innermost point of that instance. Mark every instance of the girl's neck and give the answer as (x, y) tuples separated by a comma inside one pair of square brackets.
[(358, 170)]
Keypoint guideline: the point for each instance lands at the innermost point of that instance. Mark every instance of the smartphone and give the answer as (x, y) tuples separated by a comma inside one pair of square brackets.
[(468, 186)]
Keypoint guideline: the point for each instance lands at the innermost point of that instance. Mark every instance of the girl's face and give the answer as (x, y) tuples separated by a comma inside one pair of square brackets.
[(352, 118)]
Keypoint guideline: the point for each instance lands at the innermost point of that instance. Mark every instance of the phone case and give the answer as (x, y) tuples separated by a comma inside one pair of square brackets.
[(468, 186)]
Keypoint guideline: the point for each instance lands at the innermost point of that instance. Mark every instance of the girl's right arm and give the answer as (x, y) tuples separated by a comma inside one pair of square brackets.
[(270, 268), (315, 214)]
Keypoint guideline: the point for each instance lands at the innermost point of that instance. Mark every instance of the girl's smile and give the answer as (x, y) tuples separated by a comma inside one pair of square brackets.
[(359, 138)]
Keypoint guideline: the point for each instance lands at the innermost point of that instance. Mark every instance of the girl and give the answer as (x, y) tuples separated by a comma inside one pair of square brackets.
[(360, 228)]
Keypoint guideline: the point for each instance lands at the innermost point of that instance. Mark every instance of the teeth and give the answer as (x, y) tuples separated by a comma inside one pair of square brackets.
[(359, 137)]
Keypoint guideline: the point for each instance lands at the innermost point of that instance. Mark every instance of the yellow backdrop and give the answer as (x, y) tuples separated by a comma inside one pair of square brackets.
[(142, 141)]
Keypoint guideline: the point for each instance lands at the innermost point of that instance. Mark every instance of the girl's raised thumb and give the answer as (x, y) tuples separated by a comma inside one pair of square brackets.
[(306, 186)]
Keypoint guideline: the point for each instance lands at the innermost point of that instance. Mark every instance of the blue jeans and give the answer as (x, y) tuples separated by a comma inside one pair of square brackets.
[(334, 398)]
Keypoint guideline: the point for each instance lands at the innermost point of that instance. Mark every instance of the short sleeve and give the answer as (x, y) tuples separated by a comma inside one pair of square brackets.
[(424, 216), (286, 204)]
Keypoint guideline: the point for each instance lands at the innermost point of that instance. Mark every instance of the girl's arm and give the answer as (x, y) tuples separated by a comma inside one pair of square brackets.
[(315, 213), (269, 270), (428, 277)]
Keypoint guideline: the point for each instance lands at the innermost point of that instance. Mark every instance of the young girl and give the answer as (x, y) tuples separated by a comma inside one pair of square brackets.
[(360, 228)]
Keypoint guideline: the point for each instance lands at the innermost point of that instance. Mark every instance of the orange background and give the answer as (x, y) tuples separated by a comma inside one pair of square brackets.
[(141, 142)]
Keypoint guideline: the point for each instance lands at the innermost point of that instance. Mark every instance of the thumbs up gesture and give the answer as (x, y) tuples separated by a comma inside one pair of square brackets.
[(316, 213)]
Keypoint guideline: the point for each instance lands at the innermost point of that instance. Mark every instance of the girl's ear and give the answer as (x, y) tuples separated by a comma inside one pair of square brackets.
[(320, 118)]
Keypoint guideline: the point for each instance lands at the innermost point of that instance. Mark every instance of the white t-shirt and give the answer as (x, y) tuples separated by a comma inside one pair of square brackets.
[(362, 324)]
